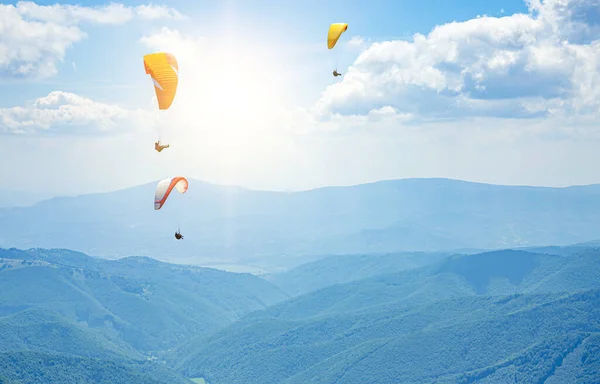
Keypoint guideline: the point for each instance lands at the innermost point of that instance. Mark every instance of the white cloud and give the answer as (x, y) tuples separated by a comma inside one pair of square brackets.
[(153, 12), (539, 65), (113, 13), (184, 47), (66, 113), (35, 37), (357, 42)]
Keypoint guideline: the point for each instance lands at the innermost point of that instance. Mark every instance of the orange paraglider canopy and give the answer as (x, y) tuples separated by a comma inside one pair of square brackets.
[(164, 71)]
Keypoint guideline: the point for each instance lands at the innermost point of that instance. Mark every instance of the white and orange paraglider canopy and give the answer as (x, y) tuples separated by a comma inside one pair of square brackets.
[(164, 188)]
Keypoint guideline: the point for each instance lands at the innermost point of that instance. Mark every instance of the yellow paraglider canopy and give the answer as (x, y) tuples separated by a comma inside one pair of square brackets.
[(335, 31), (163, 69)]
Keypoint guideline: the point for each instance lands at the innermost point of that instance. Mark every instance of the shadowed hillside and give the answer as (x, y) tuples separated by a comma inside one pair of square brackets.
[(341, 269)]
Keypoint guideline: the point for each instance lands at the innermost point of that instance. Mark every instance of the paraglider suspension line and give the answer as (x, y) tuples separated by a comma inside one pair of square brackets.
[(336, 60), (157, 121)]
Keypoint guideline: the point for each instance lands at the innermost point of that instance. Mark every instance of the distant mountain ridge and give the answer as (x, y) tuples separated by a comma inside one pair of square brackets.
[(10, 198), (224, 224)]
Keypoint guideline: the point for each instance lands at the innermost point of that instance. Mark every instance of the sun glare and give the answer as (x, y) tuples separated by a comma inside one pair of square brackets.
[(228, 88), (228, 98)]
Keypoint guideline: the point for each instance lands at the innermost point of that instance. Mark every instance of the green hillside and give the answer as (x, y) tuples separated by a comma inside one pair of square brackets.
[(43, 330), (43, 368), (451, 341), (531, 316), (149, 305), (467, 318)]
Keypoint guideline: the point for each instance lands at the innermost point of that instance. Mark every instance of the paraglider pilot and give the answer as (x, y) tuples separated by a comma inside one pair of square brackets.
[(178, 235), (159, 147)]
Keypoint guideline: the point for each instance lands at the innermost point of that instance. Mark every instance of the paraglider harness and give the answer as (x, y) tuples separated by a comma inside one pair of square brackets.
[(158, 147), (336, 73), (178, 235)]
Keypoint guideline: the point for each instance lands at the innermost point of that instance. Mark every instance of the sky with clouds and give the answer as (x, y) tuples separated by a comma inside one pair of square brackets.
[(503, 92)]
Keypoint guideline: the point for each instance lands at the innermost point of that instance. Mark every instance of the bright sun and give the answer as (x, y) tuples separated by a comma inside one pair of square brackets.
[(230, 84), (227, 99)]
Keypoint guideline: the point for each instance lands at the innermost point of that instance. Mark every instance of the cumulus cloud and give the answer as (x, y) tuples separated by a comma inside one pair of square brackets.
[(113, 13), (356, 42), (185, 47), (66, 113), (154, 12), (36, 37), (541, 64)]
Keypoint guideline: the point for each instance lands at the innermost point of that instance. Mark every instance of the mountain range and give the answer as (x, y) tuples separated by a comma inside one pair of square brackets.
[(276, 230), (515, 315)]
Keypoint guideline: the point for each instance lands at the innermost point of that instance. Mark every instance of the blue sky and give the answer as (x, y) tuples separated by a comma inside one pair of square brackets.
[(430, 89)]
